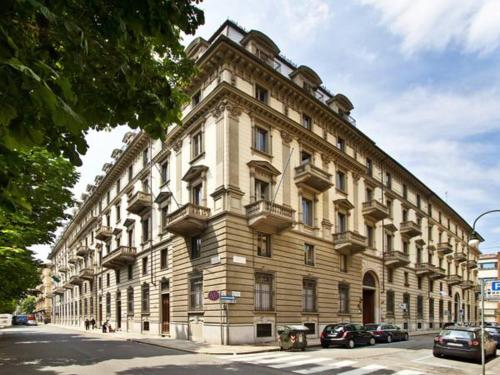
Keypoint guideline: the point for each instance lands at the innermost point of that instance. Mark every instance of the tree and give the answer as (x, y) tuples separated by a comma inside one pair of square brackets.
[(28, 305), (68, 66)]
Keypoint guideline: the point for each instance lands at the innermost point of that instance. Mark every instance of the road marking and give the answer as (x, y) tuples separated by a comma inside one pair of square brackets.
[(433, 363), (300, 363), (363, 370), (408, 372), (250, 357), (279, 359), (332, 366)]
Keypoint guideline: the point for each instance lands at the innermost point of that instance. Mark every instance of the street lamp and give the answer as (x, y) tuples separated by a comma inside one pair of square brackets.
[(474, 242)]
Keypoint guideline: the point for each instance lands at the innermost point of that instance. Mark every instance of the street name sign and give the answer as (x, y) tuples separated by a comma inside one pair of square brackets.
[(228, 299)]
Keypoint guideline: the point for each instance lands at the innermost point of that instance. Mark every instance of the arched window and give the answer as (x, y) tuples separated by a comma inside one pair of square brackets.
[(145, 298), (130, 300), (369, 280)]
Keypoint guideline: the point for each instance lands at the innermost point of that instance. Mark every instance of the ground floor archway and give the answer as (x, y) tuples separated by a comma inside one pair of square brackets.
[(370, 298)]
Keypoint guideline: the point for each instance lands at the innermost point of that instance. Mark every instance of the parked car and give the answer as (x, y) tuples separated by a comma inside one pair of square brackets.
[(387, 332), (463, 342), (494, 332), (20, 320), (31, 320), (5, 320), (346, 334), (448, 324)]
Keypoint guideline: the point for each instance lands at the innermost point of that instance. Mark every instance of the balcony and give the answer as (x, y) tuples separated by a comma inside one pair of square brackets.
[(103, 233), (444, 248), (460, 257), (375, 211), (139, 202), (437, 273), (189, 220), (73, 259), (76, 280), (422, 269), (349, 243), (59, 290), (68, 285), (263, 216), (63, 269), (87, 274), (82, 250), (313, 177), (467, 284), (471, 264), (119, 258), (394, 259), (410, 229), (453, 279)]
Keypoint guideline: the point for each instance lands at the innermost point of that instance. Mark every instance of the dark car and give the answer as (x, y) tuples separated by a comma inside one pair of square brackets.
[(463, 342), (20, 320), (387, 332), (346, 334), (494, 332)]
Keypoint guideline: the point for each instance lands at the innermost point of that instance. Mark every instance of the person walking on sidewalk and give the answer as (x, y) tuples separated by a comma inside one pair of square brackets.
[(105, 327), (87, 324), (92, 322)]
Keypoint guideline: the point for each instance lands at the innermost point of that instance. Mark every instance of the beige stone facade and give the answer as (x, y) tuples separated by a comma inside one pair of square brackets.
[(268, 193), (43, 292)]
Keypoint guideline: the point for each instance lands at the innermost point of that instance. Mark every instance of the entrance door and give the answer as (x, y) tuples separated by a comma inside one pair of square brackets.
[(457, 308), (118, 310), (165, 313), (368, 306), (99, 317)]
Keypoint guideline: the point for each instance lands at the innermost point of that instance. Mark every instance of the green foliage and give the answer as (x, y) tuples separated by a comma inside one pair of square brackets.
[(27, 305), (8, 306)]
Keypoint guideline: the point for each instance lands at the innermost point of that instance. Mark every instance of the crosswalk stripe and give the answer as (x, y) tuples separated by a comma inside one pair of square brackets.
[(300, 363), (250, 357), (408, 372), (331, 366), (279, 359), (363, 370)]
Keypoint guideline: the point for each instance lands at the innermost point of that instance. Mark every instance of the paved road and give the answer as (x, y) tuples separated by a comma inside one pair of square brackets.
[(51, 350)]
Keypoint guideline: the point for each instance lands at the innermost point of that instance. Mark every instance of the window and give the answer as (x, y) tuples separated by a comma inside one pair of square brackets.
[(343, 262), (164, 259), (164, 216), (195, 247), (261, 94), (369, 167), (305, 157), (145, 157), (196, 192), (441, 309), (390, 303), (407, 280), (307, 211), (130, 173), (130, 271), (429, 209), (431, 308), (263, 244), (108, 304), (341, 222), (85, 306), (341, 181), (406, 301), (405, 215), (197, 143), (309, 254), (306, 121), (343, 298), (107, 279), (144, 266), (311, 327), (117, 276), (263, 292), (130, 300), (419, 282), (368, 195), (99, 281), (261, 139), (420, 307), (145, 298), (108, 197), (419, 201), (309, 295), (145, 229), (196, 293), (488, 266), (429, 233), (340, 144), (195, 99), (389, 241), (261, 190), (264, 330), (406, 248), (431, 286), (405, 191), (419, 255), (164, 173), (118, 213), (388, 180), (370, 236), (390, 275)]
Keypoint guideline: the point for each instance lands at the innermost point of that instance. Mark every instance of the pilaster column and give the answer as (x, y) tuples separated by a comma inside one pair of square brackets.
[(286, 139)]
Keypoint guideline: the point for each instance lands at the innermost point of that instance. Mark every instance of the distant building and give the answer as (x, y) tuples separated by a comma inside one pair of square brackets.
[(489, 269), (43, 309)]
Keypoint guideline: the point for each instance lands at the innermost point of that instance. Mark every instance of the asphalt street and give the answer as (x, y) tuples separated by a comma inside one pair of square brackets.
[(51, 350)]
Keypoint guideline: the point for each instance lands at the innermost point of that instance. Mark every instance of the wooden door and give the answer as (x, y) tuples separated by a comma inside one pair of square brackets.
[(368, 306), (165, 313)]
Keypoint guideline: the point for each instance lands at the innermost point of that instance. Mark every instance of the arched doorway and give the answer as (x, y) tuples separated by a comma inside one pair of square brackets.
[(456, 308), (370, 287)]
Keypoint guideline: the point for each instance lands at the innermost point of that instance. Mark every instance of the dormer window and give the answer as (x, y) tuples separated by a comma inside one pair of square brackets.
[(261, 94), (306, 121), (195, 99)]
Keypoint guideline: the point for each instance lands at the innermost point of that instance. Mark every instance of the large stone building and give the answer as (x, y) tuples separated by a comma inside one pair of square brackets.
[(269, 193), (43, 292), (489, 270)]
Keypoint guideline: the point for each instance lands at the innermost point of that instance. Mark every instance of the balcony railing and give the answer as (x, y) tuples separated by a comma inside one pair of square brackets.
[(453, 279), (119, 258), (410, 229), (437, 273), (139, 202), (467, 284), (59, 290), (82, 250), (87, 273), (460, 257), (63, 269), (313, 177), (349, 243), (396, 258), (76, 280), (375, 211), (471, 264), (424, 269), (73, 259), (444, 248), (268, 217), (103, 233), (189, 220)]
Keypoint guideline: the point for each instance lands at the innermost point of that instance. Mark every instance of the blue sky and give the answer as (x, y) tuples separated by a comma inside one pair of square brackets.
[(423, 75)]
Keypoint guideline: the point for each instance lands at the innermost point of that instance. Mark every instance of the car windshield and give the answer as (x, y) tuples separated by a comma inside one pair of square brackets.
[(334, 329), (371, 327), (468, 335)]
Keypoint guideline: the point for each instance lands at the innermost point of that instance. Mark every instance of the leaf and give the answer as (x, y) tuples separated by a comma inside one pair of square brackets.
[(7, 113)]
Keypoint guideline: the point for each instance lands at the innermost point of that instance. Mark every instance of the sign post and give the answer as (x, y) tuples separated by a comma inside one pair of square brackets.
[(482, 328)]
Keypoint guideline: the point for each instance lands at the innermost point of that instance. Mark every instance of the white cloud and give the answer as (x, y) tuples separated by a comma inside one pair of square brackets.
[(474, 25)]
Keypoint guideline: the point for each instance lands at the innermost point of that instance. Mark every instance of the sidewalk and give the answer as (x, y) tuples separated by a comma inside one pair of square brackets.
[(200, 347)]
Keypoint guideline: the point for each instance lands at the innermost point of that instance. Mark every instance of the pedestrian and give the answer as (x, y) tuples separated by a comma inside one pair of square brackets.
[(104, 327), (92, 322), (87, 324)]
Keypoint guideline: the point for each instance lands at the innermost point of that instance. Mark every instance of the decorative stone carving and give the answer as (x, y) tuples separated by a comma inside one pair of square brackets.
[(177, 145), (286, 137)]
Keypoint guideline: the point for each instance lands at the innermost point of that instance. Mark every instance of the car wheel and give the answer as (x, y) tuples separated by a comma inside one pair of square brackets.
[(406, 337), (389, 339), (350, 344), (436, 354), (372, 341), (325, 345)]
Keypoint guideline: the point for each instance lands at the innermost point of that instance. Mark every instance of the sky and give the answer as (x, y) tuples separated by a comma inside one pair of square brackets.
[(423, 76)]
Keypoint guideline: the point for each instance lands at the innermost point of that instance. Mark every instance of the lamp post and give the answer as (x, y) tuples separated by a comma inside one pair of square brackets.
[(474, 242)]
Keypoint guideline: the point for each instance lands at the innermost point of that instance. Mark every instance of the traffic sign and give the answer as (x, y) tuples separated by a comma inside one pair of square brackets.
[(213, 295), (495, 286), (228, 299)]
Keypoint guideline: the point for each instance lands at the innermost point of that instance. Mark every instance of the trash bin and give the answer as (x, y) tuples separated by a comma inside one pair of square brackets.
[(292, 337)]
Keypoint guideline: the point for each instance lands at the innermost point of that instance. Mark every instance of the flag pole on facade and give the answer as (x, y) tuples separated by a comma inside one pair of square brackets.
[(281, 179)]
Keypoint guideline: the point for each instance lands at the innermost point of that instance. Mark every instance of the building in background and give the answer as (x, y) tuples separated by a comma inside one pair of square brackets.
[(270, 195), (43, 311), (489, 269)]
